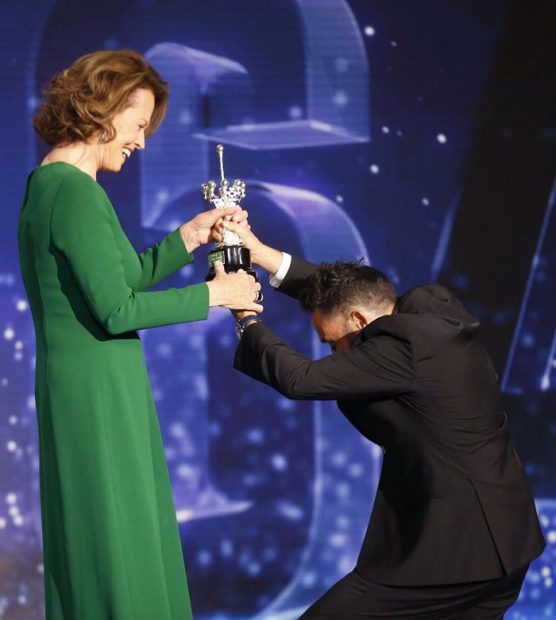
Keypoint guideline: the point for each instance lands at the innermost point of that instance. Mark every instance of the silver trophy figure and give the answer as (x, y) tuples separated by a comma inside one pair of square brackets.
[(231, 250)]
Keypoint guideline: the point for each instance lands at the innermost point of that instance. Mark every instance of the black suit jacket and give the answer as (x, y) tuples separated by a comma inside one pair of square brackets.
[(453, 504)]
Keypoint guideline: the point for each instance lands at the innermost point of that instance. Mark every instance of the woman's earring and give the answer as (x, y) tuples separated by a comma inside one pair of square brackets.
[(104, 136)]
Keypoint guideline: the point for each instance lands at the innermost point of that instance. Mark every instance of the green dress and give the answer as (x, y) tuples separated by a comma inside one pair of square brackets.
[(111, 542)]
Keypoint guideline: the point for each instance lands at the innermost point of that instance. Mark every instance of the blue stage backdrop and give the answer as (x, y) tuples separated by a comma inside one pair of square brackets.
[(418, 135)]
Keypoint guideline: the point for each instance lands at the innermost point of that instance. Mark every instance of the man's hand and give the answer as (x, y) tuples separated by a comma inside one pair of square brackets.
[(236, 291), (204, 227), (265, 256)]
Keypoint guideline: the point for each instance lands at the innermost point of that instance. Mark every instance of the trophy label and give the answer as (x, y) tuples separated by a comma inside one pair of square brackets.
[(214, 256)]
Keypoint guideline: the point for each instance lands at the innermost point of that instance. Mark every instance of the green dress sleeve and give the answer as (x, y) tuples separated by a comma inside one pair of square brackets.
[(162, 259), (83, 229)]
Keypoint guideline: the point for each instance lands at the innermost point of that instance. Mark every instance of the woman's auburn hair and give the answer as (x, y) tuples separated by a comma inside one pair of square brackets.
[(83, 99)]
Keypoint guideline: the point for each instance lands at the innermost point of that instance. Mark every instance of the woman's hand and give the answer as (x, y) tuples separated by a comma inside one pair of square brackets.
[(265, 256), (205, 226), (236, 291)]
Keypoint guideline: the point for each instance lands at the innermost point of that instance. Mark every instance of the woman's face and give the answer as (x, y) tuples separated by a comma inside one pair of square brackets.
[(130, 125)]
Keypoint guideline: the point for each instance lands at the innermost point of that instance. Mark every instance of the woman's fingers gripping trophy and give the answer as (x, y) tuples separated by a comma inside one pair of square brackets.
[(236, 291)]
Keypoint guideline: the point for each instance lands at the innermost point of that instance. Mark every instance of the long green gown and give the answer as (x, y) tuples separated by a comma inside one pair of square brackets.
[(111, 541)]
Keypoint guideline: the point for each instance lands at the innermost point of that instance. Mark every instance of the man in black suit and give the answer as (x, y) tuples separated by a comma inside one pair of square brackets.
[(453, 527)]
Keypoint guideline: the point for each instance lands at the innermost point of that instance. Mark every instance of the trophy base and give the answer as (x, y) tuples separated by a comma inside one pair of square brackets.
[(234, 258)]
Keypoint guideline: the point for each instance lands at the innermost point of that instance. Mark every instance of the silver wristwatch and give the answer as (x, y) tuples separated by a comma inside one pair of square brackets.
[(241, 324)]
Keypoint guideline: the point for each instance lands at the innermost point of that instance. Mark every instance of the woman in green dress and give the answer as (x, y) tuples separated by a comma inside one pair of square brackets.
[(111, 543)]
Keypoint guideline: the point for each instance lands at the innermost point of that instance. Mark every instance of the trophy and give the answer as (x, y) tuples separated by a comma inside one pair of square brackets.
[(231, 250)]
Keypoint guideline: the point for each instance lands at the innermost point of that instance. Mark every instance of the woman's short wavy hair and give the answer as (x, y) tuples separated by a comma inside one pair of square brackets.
[(83, 99), (337, 286)]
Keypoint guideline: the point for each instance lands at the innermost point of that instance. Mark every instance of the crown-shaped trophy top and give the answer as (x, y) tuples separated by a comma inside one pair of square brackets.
[(227, 195)]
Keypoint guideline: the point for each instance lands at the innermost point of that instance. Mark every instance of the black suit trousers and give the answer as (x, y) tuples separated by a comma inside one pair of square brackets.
[(356, 598)]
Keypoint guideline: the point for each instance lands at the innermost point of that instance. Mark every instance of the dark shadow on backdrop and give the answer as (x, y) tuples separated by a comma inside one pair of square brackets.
[(509, 174), (506, 185)]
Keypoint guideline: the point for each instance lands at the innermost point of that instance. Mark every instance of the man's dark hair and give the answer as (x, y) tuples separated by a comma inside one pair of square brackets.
[(334, 286)]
